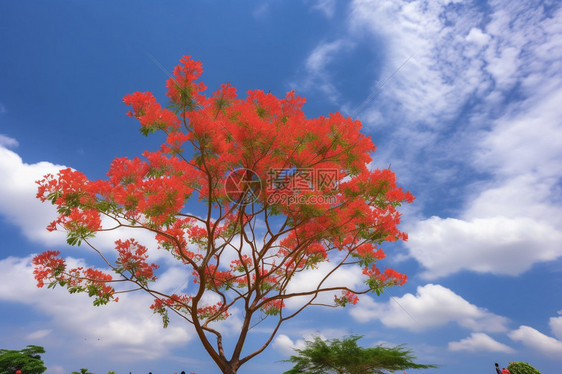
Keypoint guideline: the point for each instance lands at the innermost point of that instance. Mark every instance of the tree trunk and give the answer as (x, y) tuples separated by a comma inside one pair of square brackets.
[(229, 369)]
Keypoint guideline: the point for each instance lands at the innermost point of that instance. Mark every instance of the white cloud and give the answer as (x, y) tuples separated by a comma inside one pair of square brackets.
[(478, 342), (555, 324), (318, 75), (525, 140), (308, 280), (428, 86), (261, 10), (477, 36), (286, 346), (536, 340), (6, 141), (327, 7), (56, 369), (112, 329), (515, 220), (17, 197), (432, 306), (498, 245), (19, 205), (39, 334)]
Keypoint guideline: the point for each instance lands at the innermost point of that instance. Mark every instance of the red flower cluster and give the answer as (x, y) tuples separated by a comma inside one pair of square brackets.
[(182, 89), (48, 267), (273, 307), (150, 114), (388, 278), (132, 258), (346, 298)]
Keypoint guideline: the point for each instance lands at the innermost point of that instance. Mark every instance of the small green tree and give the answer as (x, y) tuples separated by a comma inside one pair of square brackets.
[(522, 368), (28, 360), (82, 371), (346, 357)]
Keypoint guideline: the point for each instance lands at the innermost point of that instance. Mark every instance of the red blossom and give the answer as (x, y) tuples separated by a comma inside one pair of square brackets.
[(346, 298)]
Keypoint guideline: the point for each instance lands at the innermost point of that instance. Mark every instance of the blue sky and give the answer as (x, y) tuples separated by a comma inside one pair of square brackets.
[(461, 98)]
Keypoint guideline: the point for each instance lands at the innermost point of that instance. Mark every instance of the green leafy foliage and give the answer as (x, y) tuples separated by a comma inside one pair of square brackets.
[(28, 360), (346, 357), (82, 371), (522, 368)]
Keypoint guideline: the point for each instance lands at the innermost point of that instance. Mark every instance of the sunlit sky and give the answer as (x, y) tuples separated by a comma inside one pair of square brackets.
[(463, 100)]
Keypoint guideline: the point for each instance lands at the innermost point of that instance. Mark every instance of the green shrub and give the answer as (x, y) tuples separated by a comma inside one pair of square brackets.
[(28, 360), (522, 368), (82, 371)]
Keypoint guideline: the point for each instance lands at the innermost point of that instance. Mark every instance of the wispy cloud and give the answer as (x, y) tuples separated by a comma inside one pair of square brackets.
[(317, 74), (479, 104), (514, 220), (6, 141), (39, 334), (261, 10), (326, 7)]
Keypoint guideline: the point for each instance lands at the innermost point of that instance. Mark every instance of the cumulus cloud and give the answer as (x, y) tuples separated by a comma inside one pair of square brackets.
[(19, 205), (478, 342), (555, 324), (17, 197), (112, 329), (498, 245), (284, 344), (308, 280), (538, 341), (432, 306), (475, 35)]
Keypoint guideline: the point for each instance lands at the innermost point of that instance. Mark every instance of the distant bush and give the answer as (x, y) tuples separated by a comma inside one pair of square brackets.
[(28, 360), (522, 368), (82, 371)]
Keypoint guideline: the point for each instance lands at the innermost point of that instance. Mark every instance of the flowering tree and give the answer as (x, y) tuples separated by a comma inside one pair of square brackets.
[(278, 194)]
